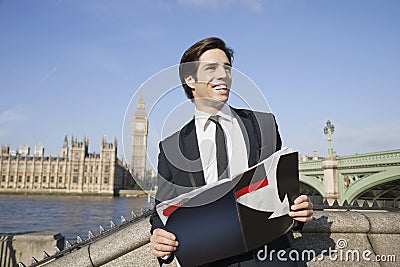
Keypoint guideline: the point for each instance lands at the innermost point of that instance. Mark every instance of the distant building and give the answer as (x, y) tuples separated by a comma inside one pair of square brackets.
[(74, 171), (139, 141), (303, 158)]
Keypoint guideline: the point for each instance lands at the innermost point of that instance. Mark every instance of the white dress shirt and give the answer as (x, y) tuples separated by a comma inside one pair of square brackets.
[(205, 130)]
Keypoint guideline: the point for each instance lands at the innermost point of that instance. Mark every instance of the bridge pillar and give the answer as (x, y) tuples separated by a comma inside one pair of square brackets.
[(331, 184)]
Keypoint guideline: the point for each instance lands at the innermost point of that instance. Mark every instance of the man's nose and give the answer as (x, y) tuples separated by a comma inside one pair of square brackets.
[(220, 72)]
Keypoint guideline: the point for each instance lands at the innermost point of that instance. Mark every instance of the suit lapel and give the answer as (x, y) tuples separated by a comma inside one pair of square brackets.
[(250, 134), (190, 149)]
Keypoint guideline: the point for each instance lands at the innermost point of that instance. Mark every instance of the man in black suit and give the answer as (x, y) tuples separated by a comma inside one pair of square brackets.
[(188, 160)]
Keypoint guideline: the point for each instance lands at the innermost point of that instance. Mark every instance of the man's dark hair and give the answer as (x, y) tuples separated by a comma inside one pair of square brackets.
[(193, 53)]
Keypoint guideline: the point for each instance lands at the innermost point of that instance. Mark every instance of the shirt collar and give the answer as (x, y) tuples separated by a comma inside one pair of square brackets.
[(202, 117)]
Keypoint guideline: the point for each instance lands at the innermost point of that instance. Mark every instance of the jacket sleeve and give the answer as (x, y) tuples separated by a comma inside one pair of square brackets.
[(278, 137), (165, 188), (165, 191)]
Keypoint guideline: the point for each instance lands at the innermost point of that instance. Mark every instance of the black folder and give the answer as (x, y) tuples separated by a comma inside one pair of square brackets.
[(230, 225)]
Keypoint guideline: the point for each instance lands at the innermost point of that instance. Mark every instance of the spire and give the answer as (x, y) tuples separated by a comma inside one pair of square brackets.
[(141, 110), (65, 141), (103, 141), (141, 102)]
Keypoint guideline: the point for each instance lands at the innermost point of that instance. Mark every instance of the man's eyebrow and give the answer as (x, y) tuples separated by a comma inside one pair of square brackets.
[(215, 63)]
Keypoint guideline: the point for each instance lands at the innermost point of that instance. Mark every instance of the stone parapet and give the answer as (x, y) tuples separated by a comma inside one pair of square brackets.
[(21, 247), (350, 238), (333, 238)]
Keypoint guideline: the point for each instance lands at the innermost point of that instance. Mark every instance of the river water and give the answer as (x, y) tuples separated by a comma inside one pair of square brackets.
[(68, 215)]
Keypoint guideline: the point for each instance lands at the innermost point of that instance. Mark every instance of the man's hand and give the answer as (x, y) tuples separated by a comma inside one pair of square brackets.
[(302, 210), (162, 243)]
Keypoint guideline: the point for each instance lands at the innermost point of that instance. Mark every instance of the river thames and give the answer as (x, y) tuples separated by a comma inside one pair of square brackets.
[(68, 215)]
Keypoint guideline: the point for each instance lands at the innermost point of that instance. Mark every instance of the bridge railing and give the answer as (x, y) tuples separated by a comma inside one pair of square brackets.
[(310, 165), (361, 205), (391, 157)]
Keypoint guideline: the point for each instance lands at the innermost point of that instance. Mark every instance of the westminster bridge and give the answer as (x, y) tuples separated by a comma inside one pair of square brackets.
[(360, 216), (372, 177)]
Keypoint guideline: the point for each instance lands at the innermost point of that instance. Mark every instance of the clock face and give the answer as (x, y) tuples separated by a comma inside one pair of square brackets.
[(140, 126)]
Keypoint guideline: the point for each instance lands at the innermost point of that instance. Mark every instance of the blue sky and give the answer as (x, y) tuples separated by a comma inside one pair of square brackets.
[(71, 67)]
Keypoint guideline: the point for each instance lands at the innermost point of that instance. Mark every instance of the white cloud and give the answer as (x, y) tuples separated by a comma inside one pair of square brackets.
[(48, 74), (252, 5), (10, 116), (204, 3)]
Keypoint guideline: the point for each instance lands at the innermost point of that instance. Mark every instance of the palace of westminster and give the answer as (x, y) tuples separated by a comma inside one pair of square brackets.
[(76, 170)]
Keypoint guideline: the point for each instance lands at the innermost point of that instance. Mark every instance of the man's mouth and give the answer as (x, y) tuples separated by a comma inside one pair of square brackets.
[(220, 87)]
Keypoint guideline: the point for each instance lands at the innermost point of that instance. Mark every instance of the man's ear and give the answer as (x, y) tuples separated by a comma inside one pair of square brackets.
[(189, 80)]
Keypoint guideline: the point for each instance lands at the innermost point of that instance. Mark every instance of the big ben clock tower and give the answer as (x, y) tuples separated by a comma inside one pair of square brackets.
[(139, 140)]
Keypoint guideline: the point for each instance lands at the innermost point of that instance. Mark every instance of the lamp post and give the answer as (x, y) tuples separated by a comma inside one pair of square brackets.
[(328, 131)]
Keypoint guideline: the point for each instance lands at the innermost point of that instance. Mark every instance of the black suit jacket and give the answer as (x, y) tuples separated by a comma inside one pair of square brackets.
[(179, 163)]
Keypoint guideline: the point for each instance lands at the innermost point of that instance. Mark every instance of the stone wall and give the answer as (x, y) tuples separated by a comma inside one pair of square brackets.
[(359, 238), (21, 247), (333, 238)]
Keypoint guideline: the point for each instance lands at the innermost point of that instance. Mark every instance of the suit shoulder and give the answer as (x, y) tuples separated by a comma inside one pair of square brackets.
[(247, 112), (173, 138)]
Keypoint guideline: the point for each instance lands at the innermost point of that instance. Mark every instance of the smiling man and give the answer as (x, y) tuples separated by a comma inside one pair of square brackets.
[(212, 81), (221, 140)]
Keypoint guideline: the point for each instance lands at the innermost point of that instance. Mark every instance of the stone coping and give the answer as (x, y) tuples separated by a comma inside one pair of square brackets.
[(136, 236), (369, 222)]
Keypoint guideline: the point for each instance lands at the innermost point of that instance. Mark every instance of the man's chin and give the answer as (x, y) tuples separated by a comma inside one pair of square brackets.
[(219, 101), (215, 102), (222, 96)]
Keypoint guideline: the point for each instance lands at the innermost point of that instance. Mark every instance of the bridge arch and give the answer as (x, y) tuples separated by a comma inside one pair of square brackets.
[(313, 181), (385, 175), (311, 192)]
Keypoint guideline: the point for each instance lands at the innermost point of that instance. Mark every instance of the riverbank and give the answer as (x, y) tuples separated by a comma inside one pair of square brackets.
[(134, 193), (57, 192)]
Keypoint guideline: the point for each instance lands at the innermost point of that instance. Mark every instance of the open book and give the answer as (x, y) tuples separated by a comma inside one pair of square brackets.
[(233, 216)]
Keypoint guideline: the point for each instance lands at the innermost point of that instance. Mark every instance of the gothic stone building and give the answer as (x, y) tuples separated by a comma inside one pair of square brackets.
[(75, 171)]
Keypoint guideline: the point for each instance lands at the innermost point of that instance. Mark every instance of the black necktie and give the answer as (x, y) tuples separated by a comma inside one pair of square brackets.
[(222, 162)]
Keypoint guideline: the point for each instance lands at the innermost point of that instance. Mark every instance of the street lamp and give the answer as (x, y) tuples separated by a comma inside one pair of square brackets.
[(328, 131)]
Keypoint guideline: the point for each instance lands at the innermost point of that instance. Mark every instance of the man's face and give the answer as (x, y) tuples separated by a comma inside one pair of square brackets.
[(214, 77)]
